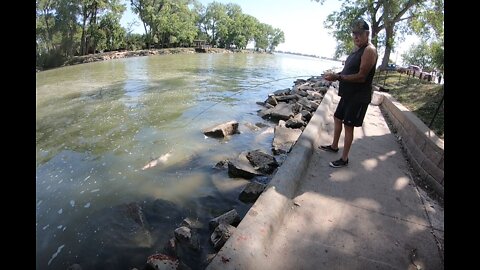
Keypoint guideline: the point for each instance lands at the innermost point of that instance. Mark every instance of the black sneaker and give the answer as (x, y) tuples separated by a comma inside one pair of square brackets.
[(339, 163), (328, 148)]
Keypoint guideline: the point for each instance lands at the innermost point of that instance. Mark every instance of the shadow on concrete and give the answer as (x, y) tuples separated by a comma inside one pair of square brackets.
[(368, 215)]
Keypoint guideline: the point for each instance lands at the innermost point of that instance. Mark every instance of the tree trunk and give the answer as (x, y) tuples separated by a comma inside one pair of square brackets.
[(389, 37), (375, 29), (147, 41), (49, 39), (83, 42), (93, 22), (214, 39)]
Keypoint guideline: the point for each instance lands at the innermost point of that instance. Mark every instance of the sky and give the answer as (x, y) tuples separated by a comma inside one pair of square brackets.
[(300, 20)]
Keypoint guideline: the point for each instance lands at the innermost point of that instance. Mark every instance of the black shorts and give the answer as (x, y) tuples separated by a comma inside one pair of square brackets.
[(351, 111)]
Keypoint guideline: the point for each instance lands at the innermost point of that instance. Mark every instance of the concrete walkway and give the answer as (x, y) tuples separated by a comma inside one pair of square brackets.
[(368, 215)]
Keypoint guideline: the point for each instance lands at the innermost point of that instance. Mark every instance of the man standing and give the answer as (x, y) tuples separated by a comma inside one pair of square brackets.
[(355, 90)]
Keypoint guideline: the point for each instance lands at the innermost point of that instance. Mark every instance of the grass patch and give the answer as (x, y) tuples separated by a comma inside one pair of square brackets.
[(419, 96)]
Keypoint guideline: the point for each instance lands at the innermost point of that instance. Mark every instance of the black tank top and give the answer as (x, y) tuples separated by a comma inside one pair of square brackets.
[(360, 91)]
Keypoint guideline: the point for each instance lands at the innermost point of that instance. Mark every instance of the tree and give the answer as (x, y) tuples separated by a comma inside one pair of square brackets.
[(261, 36), (428, 56), (428, 21), (276, 38), (241, 28), (145, 9), (113, 33), (418, 55), (216, 21), (85, 13), (45, 21), (134, 41), (176, 24), (66, 35), (387, 19), (57, 31), (437, 49)]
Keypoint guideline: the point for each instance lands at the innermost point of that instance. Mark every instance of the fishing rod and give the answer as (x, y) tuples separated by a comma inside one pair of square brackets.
[(246, 88), (163, 158)]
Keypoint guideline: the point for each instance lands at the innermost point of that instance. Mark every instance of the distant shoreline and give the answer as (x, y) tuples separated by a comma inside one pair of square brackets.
[(310, 55), (76, 60), (103, 56)]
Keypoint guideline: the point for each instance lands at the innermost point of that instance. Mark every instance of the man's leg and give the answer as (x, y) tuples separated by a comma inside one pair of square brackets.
[(337, 128), (336, 132), (347, 141), (353, 118)]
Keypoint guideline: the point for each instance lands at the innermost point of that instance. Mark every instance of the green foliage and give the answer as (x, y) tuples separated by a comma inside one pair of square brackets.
[(241, 28), (421, 97), (418, 55), (99, 38), (113, 33), (49, 60), (67, 28), (216, 21), (134, 42), (277, 38), (437, 50), (428, 19), (261, 36), (428, 56), (175, 24)]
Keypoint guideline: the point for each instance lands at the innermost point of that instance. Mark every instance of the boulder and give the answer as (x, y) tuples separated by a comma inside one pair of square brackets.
[(222, 130)]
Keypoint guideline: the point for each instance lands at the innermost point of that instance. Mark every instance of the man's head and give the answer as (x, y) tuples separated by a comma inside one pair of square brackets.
[(360, 32), (360, 26)]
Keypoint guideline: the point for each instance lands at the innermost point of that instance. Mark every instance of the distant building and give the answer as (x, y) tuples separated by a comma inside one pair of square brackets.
[(200, 45)]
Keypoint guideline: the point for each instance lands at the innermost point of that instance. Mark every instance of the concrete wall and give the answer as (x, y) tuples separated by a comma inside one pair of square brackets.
[(423, 147)]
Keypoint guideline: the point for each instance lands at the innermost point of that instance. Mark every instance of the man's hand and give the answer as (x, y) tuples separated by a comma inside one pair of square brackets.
[(331, 77)]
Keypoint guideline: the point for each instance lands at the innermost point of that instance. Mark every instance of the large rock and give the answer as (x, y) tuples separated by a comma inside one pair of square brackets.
[(305, 87), (221, 234), (271, 100), (183, 234), (222, 130), (251, 192), (187, 237), (307, 104), (315, 95), (306, 115), (295, 122), (299, 81), (284, 139), (286, 98), (300, 93), (231, 217), (162, 262), (241, 167), (282, 92), (282, 111), (262, 162)]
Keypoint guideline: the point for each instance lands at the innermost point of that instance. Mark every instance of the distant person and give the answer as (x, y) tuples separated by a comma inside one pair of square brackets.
[(355, 90), (439, 77)]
